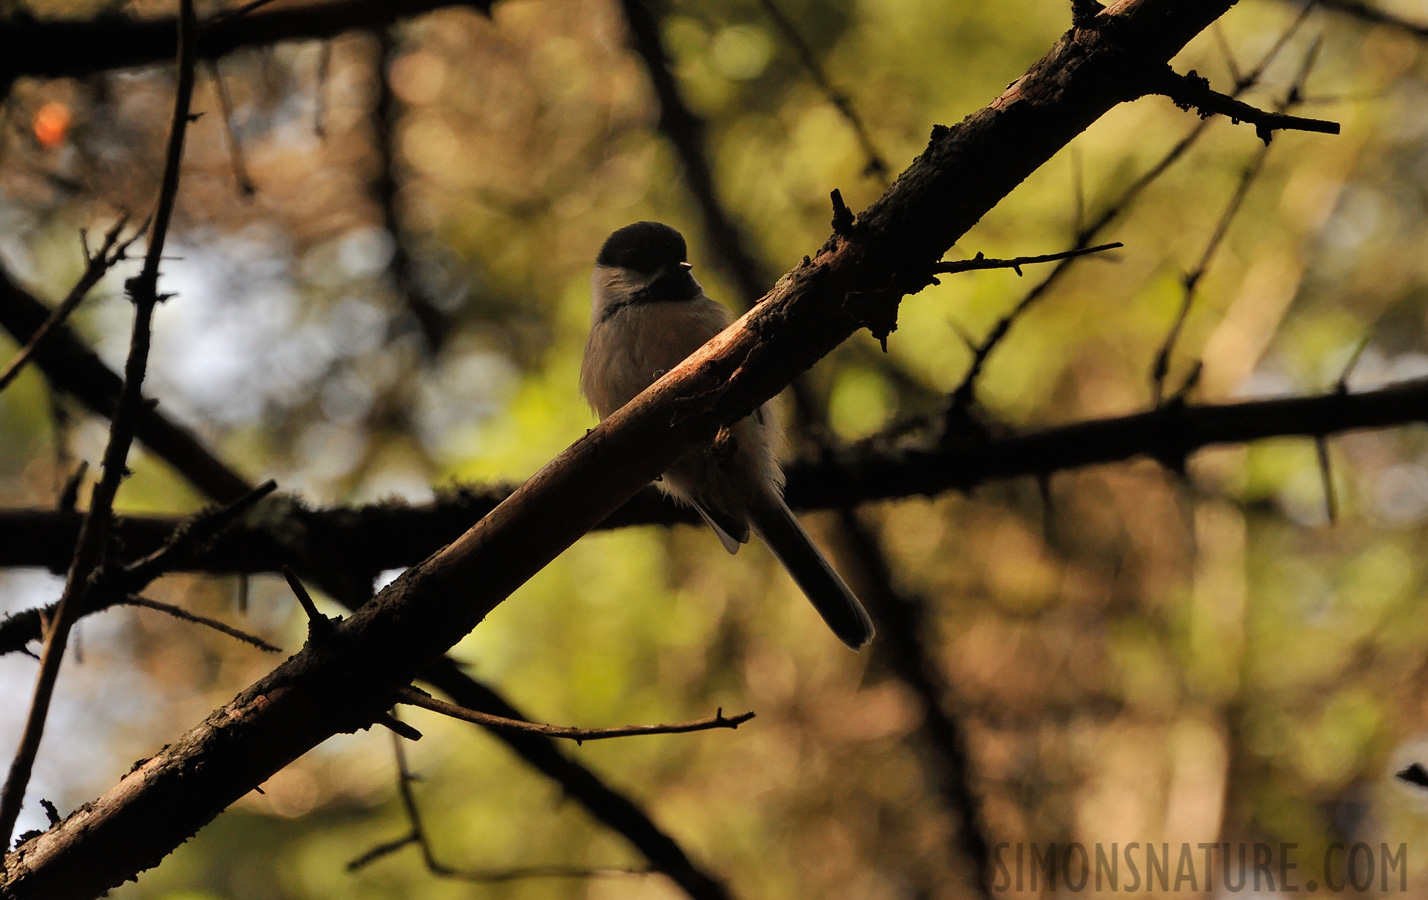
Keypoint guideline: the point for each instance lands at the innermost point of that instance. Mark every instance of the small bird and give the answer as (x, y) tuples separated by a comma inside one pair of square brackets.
[(648, 314)]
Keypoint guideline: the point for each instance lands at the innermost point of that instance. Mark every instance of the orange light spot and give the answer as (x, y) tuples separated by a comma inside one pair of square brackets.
[(51, 124)]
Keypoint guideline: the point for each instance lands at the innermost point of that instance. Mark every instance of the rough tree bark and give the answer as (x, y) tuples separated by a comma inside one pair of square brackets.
[(345, 677)]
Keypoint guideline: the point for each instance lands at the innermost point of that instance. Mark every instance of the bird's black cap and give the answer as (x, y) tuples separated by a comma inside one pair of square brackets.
[(643, 247)]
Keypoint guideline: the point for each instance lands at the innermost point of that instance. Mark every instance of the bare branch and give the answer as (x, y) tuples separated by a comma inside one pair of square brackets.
[(434, 324), (413, 697), (979, 262), (1326, 474), (76, 48), (1191, 91), (319, 627)]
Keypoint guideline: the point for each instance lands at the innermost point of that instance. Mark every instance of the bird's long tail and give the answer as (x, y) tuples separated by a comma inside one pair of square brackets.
[(776, 525)]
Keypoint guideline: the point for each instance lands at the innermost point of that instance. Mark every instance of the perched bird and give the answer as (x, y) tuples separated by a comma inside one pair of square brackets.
[(648, 314)]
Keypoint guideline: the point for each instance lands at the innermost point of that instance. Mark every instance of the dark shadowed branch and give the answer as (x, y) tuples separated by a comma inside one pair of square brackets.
[(75, 48), (979, 262), (393, 535)]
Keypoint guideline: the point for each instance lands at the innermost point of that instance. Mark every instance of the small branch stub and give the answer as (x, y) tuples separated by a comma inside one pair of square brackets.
[(843, 218), (1083, 11), (398, 727), (319, 627)]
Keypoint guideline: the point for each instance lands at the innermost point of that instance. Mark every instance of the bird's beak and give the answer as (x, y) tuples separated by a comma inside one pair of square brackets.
[(686, 266)]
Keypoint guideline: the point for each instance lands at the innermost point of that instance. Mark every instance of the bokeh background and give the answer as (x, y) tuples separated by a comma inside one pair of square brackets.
[(399, 306)]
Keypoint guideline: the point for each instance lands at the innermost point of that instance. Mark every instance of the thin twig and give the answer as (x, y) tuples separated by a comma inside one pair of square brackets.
[(235, 148), (1227, 52), (1161, 366), (319, 627), (413, 697), (979, 262), (1342, 385), (319, 103), (237, 12), (185, 615), (111, 252), (69, 494), (1191, 91), (94, 535), (1326, 473), (876, 166)]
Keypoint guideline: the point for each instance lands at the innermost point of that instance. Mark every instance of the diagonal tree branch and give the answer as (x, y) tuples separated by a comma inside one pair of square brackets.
[(856, 281)]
